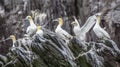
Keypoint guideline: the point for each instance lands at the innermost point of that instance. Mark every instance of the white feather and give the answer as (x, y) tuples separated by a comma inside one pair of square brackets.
[(39, 32), (100, 32), (31, 30), (62, 33), (81, 32)]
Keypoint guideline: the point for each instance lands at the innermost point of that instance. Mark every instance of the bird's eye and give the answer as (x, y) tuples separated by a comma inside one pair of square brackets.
[(96, 15), (95, 20), (28, 17)]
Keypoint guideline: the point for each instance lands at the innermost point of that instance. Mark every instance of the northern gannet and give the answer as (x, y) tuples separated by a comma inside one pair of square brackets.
[(61, 32), (77, 29), (100, 32), (31, 29), (85, 28), (13, 40), (39, 31)]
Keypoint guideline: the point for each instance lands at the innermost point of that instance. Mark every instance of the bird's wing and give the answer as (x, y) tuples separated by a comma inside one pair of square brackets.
[(26, 24), (28, 30), (66, 34), (88, 25)]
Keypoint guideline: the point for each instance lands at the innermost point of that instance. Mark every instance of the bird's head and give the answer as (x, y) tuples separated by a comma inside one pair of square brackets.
[(60, 20), (29, 18), (39, 27), (74, 23), (13, 38), (98, 16)]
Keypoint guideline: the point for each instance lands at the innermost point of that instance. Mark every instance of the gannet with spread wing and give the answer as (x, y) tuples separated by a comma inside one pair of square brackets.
[(81, 32)]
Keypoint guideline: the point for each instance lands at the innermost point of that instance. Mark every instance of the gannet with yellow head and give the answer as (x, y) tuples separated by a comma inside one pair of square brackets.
[(13, 40), (61, 32), (31, 29), (100, 32), (39, 31)]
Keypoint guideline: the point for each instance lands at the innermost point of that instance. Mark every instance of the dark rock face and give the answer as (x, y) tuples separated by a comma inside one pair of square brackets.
[(13, 12)]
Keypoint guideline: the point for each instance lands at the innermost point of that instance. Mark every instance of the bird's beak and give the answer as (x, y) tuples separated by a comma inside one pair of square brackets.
[(73, 17), (55, 20), (5, 39), (8, 38), (72, 23), (26, 19), (100, 13)]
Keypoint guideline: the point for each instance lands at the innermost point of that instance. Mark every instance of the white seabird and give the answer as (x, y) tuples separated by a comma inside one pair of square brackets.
[(100, 32), (39, 31), (77, 30), (61, 32), (31, 29)]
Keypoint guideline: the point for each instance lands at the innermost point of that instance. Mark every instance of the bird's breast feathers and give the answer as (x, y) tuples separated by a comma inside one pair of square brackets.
[(40, 32), (76, 30), (31, 29)]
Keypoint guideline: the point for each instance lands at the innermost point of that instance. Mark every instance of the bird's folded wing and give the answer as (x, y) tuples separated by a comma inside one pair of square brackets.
[(105, 33), (66, 34)]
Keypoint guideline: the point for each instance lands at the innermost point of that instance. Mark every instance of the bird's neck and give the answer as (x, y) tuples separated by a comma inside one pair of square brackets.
[(61, 22), (13, 40), (38, 29), (98, 20), (97, 24), (31, 22), (78, 25), (59, 26)]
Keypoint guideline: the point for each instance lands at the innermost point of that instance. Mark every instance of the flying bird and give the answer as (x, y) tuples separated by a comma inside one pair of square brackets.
[(61, 32), (31, 29), (99, 31)]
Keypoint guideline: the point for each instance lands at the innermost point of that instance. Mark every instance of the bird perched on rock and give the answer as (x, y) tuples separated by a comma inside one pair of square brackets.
[(77, 30), (100, 32), (78, 33), (39, 31), (31, 29), (21, 42), (81, 32), (76, 25), (61, 32)]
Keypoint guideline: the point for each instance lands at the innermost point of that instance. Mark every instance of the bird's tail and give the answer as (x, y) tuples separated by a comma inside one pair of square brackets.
[(114, 46)]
